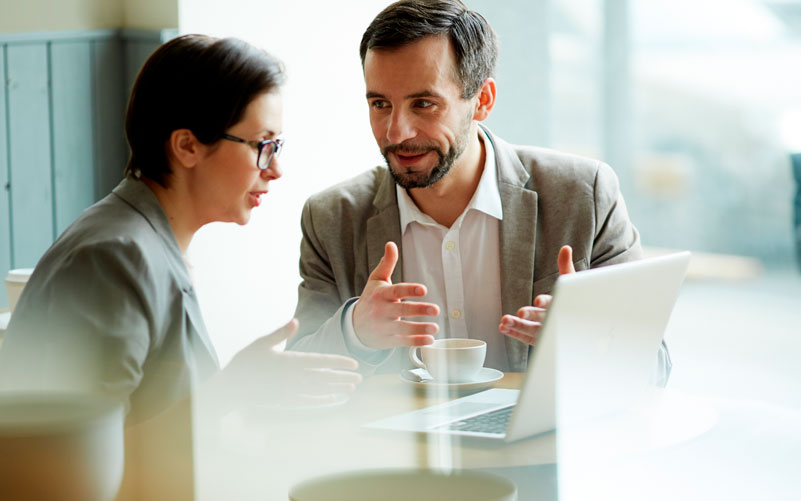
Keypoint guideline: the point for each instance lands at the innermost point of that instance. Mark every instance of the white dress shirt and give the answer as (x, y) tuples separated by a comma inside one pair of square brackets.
[(459, 265)]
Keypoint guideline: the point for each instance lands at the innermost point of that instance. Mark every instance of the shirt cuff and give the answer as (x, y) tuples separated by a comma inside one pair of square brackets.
[(352, 340), (358, 349)]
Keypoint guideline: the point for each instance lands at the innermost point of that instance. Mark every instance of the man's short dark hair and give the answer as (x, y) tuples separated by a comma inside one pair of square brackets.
[(193, 82), (408, 21)]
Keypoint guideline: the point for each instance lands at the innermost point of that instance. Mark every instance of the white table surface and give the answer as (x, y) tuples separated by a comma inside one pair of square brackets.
[(695, 447)]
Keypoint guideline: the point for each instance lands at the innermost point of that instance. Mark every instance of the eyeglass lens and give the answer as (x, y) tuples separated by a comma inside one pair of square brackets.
[(266, 154)]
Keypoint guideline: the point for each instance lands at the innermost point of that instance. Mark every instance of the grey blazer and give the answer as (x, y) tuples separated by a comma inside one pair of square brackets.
[(549, 199), (110, 308)]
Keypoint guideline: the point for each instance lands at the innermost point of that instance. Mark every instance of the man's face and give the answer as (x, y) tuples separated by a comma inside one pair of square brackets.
[(418, 117)]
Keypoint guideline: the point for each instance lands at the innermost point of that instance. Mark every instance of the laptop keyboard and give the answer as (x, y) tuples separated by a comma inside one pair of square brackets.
[(492, 422)]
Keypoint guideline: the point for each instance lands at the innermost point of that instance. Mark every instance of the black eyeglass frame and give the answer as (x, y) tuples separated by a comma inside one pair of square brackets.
[(274, 151)]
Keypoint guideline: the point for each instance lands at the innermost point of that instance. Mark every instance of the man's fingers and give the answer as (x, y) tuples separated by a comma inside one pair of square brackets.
[(408, 309), (401, 340), (518, 328), (387, 264), (532, 313), (409, 328), (400, 291), (565, 260), (543, 300), (520, 336), (514, 322), (405, 340)]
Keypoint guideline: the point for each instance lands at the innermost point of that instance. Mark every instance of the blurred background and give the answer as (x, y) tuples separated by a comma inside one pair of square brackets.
[(695, 104)]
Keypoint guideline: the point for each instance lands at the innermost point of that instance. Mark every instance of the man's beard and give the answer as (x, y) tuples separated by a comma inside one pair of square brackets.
[(424, 179)]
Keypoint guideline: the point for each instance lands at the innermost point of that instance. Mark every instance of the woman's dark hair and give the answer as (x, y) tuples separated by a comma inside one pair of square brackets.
[(408, 21), (193, 82)]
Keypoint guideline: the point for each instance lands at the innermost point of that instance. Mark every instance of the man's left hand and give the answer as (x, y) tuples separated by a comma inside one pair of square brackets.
[(525, 326)]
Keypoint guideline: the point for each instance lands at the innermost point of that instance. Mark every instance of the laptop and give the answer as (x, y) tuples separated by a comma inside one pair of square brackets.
[(595, 354)]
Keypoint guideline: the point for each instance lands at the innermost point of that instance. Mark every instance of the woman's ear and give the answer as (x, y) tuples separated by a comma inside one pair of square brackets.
[(485, 100), (185, 148)]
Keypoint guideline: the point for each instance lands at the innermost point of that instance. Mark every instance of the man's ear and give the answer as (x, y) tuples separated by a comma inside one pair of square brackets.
[(485, 100), (185, 148)]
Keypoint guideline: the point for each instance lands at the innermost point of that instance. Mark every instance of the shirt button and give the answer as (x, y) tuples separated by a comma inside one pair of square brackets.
[(456, 313), (450, 245)]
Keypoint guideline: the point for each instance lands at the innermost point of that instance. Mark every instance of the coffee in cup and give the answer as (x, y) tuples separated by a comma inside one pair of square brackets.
[(15, 282), (454, 360)]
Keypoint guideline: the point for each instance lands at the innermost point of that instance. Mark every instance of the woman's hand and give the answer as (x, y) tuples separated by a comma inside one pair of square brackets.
[(261, 373)]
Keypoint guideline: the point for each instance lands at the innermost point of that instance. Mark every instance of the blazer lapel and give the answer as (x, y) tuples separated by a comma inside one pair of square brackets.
[(517, 238), (140, 197), (385, 226), (205, 358)]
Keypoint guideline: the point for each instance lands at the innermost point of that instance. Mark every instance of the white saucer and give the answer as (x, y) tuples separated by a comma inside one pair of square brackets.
[(485, 378)]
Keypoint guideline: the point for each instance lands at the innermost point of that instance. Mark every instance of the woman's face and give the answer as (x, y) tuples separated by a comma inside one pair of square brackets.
[(228, 182)]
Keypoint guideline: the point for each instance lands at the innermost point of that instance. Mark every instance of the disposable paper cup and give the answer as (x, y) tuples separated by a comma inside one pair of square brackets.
[(15, 282)]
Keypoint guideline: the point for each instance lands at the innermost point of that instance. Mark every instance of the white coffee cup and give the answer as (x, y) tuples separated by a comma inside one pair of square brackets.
[(15, 282), (397, 485), (454, 360), (60, 446)]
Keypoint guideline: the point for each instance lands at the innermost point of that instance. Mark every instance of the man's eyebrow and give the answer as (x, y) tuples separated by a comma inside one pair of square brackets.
[(416, 95), (424, 93)]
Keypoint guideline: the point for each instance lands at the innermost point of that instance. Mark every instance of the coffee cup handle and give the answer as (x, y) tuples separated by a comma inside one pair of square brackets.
[(415, 359)]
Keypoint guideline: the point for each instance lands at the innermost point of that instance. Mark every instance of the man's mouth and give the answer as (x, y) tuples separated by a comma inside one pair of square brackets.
[(407, 159)]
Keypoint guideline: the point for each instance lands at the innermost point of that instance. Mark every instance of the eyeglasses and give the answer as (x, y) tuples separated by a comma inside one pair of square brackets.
[(267, 149)]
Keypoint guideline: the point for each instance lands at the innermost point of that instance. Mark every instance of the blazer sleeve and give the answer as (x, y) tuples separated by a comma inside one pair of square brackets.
[(83, 325), (616, 240), (320, 307)]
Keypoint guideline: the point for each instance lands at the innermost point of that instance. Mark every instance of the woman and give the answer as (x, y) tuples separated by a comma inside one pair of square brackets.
[(110, 307)]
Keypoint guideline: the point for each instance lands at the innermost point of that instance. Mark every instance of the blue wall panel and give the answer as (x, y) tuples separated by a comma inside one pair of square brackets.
[(73, 155), (30, 153), (62, 138), (110, 98), (5, 230), (136, 53)]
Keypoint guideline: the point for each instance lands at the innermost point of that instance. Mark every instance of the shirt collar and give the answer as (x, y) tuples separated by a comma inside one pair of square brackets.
[(487, 197)]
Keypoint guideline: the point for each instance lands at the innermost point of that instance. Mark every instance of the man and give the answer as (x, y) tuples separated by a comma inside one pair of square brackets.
[(477, 226)]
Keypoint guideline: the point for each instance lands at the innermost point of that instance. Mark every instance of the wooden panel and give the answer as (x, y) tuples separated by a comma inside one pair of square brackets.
[(5, 220), (111, 151), (29, 152), (73, 158)]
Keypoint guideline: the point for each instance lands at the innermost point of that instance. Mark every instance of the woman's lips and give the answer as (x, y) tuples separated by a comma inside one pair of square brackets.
[(255, 197)]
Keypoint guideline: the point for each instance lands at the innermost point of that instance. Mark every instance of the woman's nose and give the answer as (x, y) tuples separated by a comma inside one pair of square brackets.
[(273, 171)]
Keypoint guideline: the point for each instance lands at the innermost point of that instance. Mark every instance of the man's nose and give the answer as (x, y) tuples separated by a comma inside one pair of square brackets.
[(400, 127)]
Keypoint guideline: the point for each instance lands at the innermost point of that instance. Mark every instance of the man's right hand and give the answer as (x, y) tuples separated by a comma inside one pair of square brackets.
[(378, 314)]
